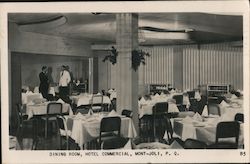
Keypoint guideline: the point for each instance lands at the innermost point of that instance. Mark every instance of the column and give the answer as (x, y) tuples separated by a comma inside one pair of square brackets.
[(90, 82), (127, 78), (178, 68)]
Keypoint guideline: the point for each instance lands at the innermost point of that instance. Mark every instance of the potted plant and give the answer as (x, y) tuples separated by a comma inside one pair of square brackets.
[(138, 57), (112, 57)]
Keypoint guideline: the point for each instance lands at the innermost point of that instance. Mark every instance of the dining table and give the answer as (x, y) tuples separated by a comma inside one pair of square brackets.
[(145, 106), (85, 128), (30, 96), (201, 128), (86, 99), (228, 109), (33, 109)]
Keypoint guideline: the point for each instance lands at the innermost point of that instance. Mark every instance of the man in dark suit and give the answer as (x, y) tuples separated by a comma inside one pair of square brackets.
[(44, 82)]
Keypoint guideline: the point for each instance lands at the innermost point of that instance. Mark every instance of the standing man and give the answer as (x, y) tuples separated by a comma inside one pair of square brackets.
[(64, 82), (44, 82)]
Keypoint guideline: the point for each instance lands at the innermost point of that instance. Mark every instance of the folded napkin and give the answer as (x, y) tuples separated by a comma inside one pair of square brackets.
[(29, 92), (90, 112), (172, 91), (113, 113), (40, 95), (36, 90), (205, 111), (197, 117), (234, 96), (128, 145), (60, 101), (110, 90), (240, 91), (156, 95), (142, 100), (223, 103), (186, 100), (197, 96), (187, 119), (172, 107), (175, 145), (98, 93)]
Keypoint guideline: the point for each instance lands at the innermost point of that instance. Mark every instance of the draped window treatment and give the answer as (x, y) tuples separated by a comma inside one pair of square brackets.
[(218, 63)]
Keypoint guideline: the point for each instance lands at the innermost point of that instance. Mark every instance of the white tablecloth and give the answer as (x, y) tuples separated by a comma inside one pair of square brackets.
[(228, 110), (41, 109), (85, 99), (202, 131), (84, 130), (28, 97), (147, 109)]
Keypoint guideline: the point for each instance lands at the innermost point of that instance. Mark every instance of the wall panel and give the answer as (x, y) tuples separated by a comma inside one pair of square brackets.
[(159, 66), (221, 64), (218, 63)]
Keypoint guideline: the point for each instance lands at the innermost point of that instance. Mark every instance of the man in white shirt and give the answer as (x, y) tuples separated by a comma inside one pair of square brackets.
[(64, 82)]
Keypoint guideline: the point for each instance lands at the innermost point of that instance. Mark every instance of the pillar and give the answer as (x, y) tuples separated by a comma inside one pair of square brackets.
[(126, 77), (178, 68)]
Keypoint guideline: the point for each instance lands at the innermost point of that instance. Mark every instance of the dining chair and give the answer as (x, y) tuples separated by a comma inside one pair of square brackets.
[(178, 99), (114, 143), (179, 102), (103, 92), (127, 113), (198, 106), (82, 109), (25, 125), (191, 94), (109, 128), (53, 109), (239, 117), (63, 130), (146, 127), (202, 103), (113, 104), (194, 144), (106, 107), (97, 103), (160, 110), (227, 129), (214, 109), (170, 132)]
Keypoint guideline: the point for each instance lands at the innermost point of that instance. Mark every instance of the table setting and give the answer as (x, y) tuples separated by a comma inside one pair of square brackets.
[(86, 127), (39, 107), (202, 128), (86, 99)]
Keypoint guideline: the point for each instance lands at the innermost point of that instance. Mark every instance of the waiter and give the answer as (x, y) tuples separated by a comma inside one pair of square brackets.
[(64, 82), (44, 82)]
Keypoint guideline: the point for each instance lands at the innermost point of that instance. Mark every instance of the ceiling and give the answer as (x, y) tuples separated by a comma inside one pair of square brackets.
[(99, 28)]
